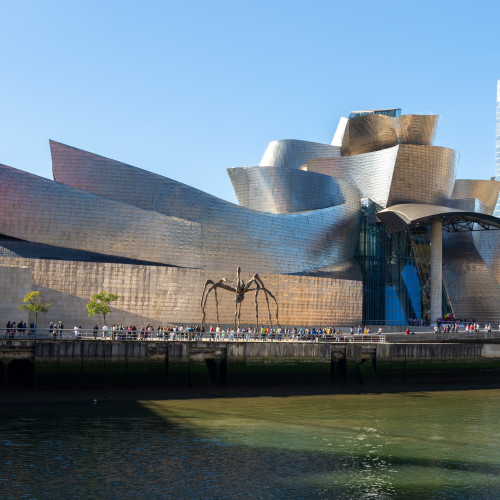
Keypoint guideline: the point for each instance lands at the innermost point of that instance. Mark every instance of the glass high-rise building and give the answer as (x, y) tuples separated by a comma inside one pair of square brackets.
[(496, 213)]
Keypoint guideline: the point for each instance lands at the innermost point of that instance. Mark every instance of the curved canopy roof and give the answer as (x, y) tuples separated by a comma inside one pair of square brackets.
[(401, 216)]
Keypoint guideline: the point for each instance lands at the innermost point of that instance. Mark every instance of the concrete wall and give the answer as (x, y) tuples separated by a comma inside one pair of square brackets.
[(73, 364)]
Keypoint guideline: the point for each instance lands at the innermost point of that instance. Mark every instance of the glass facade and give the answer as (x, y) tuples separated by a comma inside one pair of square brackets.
[(396, 272), (394, 112), (496, 213)]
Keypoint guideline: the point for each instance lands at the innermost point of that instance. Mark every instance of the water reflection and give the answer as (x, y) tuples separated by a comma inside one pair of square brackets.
[(443, 445)]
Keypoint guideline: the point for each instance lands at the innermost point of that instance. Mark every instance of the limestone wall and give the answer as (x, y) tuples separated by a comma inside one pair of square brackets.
[(170, 295), (15, 283)]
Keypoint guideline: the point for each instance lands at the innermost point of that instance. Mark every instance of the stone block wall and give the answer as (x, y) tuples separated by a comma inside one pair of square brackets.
[(168, 295), (15, 283)]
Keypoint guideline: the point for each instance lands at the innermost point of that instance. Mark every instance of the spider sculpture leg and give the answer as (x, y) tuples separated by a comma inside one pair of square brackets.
[(268, 307), (239, 318), (206, 293), (267, 292), (203, 299), (235, 309), (265, 295), (257, 290), (217, 306)]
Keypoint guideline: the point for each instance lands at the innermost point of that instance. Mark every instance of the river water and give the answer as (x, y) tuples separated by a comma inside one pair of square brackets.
[(402, 445)]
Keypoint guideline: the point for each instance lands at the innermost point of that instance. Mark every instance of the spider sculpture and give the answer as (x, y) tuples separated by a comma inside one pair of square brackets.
[(240, 288)]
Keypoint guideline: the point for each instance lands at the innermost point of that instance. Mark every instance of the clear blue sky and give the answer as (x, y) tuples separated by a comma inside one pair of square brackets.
[(187, 89)]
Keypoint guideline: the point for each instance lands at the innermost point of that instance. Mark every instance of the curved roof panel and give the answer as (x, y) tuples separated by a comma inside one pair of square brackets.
[(398, 217)]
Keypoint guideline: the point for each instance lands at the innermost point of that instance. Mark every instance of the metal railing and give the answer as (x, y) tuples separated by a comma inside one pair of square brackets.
[(70, 334)]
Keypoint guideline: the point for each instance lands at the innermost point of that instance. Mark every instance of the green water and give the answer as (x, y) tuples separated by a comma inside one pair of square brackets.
[(404, 445)]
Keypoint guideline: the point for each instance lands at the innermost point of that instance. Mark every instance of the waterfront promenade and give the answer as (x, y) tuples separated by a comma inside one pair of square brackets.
[(419, 334)]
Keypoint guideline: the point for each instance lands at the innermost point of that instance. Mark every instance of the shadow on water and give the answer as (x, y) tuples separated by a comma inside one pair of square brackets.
[(129, 449)]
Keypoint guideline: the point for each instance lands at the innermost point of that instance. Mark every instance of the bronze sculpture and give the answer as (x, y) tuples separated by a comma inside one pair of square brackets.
[(240, 288)]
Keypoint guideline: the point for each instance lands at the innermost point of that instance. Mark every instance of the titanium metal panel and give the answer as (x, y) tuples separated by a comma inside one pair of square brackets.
[(225, 235), (416, 129), (484, 191), (371, 173), (423, 174), (368, 133), (281, 190), (469, 205), (338, 137), (291, 153), (39, 210), (488, 245), (124, 183), (473, 291)]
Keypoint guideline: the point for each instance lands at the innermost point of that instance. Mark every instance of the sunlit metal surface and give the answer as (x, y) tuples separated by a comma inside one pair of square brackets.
[(371, 173), (471, 286), (224, 236), (488, 245), (423, 174), (405, 173), (338, 136), (485, 191), (291, 153), (282, 190), (416, 129), (367, 133)]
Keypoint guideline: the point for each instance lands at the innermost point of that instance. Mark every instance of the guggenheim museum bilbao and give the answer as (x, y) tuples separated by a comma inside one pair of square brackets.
[(373, 228)]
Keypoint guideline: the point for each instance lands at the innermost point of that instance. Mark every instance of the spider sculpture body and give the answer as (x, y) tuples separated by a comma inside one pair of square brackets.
[(240, 288)]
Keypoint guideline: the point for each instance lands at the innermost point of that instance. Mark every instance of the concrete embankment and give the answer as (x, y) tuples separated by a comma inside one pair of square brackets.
[(48, 364)]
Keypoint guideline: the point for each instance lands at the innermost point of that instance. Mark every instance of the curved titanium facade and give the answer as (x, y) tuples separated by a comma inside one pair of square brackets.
[(371, 173), (78, 219), (471, 285), (402, 174), (291, 153), (281, 190), (423, 174), (367, 133), (416, 129), (485, 191)]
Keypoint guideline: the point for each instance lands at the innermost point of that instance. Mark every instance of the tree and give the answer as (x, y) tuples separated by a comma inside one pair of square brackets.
[(34, 304), (99, 304)]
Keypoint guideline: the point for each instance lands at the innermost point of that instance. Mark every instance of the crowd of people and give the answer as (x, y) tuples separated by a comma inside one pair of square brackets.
[(21, 328), (472, 327), (121, 332), (56, 330)]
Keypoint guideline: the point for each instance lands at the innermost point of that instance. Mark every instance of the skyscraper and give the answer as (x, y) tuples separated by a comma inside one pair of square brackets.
[(496, 213)]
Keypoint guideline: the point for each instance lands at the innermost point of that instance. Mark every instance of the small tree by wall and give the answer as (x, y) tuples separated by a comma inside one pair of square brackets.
[(33, 303), (99, 304)]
